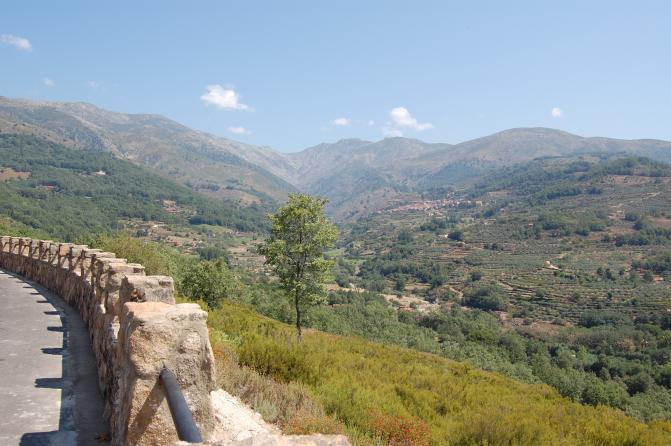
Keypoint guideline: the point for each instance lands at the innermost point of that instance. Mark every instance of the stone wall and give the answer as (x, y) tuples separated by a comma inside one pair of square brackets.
[(135, 328)]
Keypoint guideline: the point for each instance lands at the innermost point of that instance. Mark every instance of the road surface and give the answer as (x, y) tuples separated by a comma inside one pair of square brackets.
[(48, 380)]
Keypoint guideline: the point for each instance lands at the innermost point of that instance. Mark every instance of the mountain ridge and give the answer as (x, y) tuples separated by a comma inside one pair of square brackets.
[(361, 177), (214, 165), (357, 175)]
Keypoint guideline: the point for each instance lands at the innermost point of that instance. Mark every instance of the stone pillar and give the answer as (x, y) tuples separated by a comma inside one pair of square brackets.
[(153, 335), (143, 289)]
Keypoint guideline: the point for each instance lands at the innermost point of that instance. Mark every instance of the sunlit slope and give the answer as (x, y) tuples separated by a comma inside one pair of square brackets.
[(362, 382)]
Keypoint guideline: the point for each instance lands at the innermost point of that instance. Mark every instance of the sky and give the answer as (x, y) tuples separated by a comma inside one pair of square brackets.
[(292, 74)]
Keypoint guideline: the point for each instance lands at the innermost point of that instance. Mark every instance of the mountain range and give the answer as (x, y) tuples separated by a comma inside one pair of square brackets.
[(357, 176)]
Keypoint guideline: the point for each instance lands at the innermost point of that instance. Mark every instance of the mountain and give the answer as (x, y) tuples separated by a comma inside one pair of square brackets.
[(523, 144), (361, 177), (358, 176), (210, 164)]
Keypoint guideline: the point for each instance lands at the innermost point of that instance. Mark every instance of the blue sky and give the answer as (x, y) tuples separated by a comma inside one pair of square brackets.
[(291, 74)]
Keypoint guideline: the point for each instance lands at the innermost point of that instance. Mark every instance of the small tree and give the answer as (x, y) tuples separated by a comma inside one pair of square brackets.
[(456, 235), (295, 250), (212, 282)]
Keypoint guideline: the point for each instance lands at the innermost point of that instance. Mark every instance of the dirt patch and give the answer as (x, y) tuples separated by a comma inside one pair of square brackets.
[(8, 174), (410, 303), (662, 222), (550, 265), (629, 179), (236, 421)]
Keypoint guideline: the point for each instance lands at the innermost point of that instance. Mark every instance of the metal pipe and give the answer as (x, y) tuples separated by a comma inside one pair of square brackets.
[(181, 414)]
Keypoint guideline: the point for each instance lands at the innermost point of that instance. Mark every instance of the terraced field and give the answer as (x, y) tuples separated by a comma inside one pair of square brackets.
[(560, 274), (546, 274)]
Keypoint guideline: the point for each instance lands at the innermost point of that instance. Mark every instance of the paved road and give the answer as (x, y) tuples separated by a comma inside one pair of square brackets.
[(48, 383)]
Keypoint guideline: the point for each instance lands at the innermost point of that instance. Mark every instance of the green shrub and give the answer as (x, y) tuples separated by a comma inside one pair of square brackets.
[(457, 235), (211, 282), (355, 381), (486, 297)]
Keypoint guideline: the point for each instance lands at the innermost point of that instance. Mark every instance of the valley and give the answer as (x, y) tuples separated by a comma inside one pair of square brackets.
[(431, 223), (532, 259)]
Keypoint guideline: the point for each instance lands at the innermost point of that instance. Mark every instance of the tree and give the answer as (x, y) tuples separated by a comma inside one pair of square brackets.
[(295, 250), (486, 297), (456, 235), (210, 281)]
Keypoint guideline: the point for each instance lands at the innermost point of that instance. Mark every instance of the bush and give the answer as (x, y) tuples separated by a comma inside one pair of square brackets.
[(401, 431), (290, 406), (281, 358), (342, 280), (594, 318), (456, 235), (487, 297), (641, 382), (211, 282)]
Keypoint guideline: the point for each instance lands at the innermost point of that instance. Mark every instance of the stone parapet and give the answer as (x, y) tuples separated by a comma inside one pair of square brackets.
[(136, 329)]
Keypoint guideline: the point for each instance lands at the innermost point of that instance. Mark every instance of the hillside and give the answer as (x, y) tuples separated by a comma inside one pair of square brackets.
[(67, 193), (405, 397), (209, 164), (376, 392), (554, 270)]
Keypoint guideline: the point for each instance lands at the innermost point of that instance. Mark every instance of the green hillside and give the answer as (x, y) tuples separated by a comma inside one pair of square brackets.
[(378, 394), (68, 193), (213, 165), (555, 271)]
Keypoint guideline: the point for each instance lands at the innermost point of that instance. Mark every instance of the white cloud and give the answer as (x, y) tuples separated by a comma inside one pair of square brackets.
[(239, 130), (222, 97), (342, 122), (371, 123), (402, 118), (556, 112), (93, 84), (48, 82), (17, 42), (391, 133)]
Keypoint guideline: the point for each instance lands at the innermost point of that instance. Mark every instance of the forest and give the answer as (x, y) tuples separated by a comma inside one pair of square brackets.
[(68, 192)]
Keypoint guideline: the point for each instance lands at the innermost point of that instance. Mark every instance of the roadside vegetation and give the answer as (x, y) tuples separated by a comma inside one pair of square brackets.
[(377, 392)]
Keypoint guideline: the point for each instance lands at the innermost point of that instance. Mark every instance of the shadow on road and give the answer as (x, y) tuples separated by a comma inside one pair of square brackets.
[(81, 407)]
